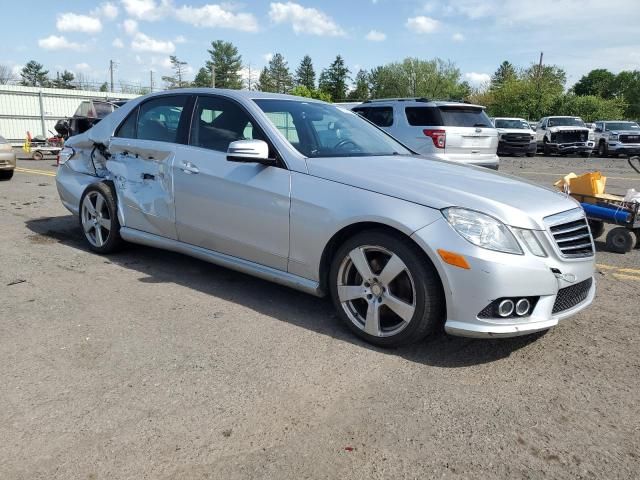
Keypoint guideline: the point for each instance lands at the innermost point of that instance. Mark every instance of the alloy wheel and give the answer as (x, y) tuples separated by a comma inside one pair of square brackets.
[(96, 220), (376, 290)]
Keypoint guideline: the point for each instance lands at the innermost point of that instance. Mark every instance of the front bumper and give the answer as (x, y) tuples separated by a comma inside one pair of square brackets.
[(574, 147), (495, 275), (508, 148), (7, 160), (623, 148)]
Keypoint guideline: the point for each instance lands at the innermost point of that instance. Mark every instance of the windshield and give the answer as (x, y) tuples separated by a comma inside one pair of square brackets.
[(503, 123), (322, 130), (622, 126), (566, 122)]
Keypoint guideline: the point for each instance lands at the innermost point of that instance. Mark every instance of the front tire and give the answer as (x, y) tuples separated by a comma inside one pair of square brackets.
[(6, 174), (99, 218), (546, 150), (385, 290), (603, 151)]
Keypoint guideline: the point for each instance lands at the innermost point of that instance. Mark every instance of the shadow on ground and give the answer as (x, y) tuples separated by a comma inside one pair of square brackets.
[(306, 311)]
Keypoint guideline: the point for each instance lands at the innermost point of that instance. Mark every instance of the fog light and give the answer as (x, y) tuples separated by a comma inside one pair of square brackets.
[(522, 307), (505, 308)]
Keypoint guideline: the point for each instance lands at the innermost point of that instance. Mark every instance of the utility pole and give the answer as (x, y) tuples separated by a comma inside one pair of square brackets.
[(151, 81), (111, 67), (213, 76), (249, 66), (538, 78)]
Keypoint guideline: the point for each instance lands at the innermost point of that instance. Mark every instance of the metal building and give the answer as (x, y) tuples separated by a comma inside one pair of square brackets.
[(36, 110)]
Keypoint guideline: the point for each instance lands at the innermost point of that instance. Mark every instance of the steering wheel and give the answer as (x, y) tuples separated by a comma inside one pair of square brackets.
[(344, 142)]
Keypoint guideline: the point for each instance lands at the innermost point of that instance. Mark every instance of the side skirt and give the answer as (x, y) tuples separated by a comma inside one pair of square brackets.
[(227, 261)]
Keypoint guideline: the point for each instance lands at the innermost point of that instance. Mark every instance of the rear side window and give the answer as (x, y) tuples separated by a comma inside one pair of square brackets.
[(464, 117), (127, 129), (158, 119), (380, 116), (423, 116)]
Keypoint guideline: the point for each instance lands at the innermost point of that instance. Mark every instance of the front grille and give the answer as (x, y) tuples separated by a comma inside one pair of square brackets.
[(629, 138), (571, 234), (516, 137), (569, 136), (569, 297)]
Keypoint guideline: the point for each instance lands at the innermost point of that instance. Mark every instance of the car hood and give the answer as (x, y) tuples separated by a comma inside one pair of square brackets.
[(440, 184), (515, 130), (567, 129), (624, 132)]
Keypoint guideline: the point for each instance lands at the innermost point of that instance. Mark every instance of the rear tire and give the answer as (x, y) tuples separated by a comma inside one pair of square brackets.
[(99, 219), (6, 174), (397, 300), (597, 228), (37, 155), (621, 240), (546, 150)]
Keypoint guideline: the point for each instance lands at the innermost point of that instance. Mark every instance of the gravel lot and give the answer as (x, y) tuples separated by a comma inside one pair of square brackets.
[(149, 364)]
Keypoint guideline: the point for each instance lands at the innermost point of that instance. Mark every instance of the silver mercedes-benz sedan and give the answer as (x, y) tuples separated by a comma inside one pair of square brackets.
[(315, 197)]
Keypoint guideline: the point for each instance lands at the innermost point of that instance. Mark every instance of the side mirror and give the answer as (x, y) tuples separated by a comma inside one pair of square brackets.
[(534, 128), (542, 127), (250, 151)]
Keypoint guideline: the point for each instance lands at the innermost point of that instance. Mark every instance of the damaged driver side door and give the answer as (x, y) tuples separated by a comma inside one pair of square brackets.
[(141, 164)]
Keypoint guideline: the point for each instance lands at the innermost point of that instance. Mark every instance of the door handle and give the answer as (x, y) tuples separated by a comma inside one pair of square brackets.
[(188, 167)]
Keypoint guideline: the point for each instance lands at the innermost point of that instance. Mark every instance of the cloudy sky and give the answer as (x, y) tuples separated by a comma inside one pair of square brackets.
[(82, 36)]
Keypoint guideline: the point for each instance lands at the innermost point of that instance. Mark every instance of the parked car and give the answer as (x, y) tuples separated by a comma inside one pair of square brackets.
[(515, 136), (7, 160), (88, 113), (452, 131), (617, 137), (563, 135), (312, 196)]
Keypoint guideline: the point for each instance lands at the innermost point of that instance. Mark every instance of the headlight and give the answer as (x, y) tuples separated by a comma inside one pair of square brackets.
[(613, 136), (592, 136), (530, 240), (482, 230)]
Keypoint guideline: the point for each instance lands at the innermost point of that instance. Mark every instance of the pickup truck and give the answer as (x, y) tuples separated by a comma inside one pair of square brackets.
[(563, 135), (617, 137)]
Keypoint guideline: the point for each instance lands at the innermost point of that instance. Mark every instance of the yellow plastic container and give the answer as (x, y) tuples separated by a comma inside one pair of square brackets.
[(592, 183)]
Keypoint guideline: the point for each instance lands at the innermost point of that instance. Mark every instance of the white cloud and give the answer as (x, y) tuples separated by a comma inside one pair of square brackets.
[(71, 22), (148, 10), (422, 24), (457, 37), (477, 79), (16, 69), (304, 20), (117, 43), (82, 67), (376, 36), (215, 16), (54, 42), (130, 26), (267, 56), (106, 10), (180, 39), (145, 43)]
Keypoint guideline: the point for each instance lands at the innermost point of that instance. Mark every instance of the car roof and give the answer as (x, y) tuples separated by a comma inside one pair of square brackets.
[(419, 101), (510, 118), (237, 94)]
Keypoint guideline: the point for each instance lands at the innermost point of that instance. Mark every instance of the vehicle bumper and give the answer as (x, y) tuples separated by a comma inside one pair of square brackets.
[(495, 275), (506, 148), (624, 148), (481, 160), (71, 185), (575, 147), (7, 160)]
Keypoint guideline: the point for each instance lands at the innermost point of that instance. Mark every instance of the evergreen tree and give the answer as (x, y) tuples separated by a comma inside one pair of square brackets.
[(203, 78), (177, 81), (305, 74), (333, 80), (34, 75), (64, 81), (227, 64), (265, 82), (506, 72), (279, 74), (104, 87), (361, 90)]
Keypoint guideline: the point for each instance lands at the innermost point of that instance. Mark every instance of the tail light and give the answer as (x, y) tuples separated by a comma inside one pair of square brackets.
[(65, 154), (439, 137)]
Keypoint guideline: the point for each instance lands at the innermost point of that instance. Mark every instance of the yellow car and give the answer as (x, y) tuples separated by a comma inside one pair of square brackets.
[(7, 160)]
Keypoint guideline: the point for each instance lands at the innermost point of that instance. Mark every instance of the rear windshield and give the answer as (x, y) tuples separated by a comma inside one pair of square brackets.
[(504, 123), (447, 116), (464, 117)]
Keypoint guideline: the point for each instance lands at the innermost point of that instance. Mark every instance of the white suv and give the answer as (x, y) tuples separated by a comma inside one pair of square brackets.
[(453, 131)]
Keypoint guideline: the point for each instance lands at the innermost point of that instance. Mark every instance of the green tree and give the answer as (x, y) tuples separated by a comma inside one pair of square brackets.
[(177, 80), (505, 73), (600, 82), (265, 82), (305, 74), (280, 79), (361, 89), (202, 78), (104, 87), (590, 107), (628, 86), (64, 81), (333, 80), (34, 75), (303, 91), (227, 62)]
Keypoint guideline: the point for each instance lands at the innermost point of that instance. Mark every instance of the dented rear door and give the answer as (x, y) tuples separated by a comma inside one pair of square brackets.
[(142, 174)]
